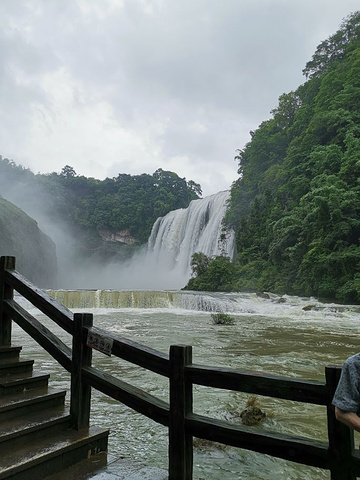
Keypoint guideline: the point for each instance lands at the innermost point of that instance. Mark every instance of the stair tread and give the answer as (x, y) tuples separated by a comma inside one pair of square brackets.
[(33, 421), (10, 361), (6, 379), (10, 348), (28, 396), (46, 447), (83, 470)]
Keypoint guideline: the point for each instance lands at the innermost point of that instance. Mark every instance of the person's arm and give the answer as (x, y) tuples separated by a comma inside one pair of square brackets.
[(348, 418)]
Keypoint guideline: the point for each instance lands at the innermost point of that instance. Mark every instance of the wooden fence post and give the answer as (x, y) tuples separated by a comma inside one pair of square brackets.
[(181, 404), (6, 293), (81, 357), (341, 437)]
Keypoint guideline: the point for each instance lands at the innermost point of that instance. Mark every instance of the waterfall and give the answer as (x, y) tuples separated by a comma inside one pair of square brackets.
[(164, 264), (198, 228)]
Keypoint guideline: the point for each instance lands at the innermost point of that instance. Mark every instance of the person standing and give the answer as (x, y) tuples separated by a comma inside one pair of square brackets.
[(347, 395)]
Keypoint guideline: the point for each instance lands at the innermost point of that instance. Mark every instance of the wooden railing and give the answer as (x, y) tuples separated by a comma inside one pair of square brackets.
[(337, 454)]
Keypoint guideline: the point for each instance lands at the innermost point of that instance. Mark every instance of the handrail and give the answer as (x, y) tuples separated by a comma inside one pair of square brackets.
[(308, 391), (136, 353), (41, 300), (133, 397), (50, 342), (288, 447), (336, 455)]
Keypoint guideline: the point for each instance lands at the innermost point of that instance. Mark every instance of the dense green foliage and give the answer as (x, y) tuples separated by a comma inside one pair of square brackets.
[(296, 205), (125, 202), (88, 205), (222, 319), (213, 274)]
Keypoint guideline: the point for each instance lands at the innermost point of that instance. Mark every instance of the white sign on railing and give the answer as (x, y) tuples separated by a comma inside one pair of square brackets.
[(100, 342)]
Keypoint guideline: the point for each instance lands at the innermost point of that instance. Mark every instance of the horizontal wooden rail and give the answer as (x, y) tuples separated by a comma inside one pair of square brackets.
[(136, 353), (41, 300), (295, 449), (135, 398), (42, 335), (260, 383)]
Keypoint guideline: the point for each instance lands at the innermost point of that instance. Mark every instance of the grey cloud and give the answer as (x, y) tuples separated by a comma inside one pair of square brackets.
[(222, 65)]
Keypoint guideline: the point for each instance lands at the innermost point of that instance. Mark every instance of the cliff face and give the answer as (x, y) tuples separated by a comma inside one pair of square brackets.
[(122, 236), (21, 237)]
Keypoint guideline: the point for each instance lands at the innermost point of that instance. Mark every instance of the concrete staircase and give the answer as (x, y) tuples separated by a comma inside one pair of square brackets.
[(36, 438)]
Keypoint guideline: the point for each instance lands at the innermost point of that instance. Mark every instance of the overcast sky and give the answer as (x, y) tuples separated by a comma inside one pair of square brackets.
[(129, 86)]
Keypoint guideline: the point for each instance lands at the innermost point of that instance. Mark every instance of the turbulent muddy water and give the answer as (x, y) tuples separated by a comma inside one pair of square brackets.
[(271, 335)]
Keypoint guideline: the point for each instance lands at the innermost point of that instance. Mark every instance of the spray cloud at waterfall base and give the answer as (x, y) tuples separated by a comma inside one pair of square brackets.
[(165, 262)]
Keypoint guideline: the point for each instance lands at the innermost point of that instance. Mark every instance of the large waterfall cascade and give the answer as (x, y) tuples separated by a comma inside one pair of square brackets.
[(165, 263), (197, 228)]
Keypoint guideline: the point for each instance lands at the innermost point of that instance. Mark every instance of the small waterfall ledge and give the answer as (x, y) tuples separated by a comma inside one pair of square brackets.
[(112, 299), (209, 302)]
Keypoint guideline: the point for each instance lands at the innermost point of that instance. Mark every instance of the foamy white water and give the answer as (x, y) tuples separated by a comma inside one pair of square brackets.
[(235, 303), (185, 231)]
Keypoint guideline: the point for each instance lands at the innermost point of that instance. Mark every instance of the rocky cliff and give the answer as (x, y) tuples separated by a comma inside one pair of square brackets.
[(21, 237)]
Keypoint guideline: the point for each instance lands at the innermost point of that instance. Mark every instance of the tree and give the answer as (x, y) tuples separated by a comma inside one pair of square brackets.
[(295, 206), (215, 274), (68, 172), (194, 187), (199, 263), (335, 47)]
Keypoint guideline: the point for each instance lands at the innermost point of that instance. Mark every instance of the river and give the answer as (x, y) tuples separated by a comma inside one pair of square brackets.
[(291, 336)]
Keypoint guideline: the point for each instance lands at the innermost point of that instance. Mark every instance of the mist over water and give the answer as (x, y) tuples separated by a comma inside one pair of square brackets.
[(162, 264), (165, 262), (141, 272)]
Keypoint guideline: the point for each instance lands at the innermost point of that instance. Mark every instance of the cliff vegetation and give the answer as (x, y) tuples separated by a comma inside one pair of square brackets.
[(295, 207), (104, 219)]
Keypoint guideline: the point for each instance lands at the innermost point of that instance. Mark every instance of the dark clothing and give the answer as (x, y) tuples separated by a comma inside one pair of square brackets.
[(347, 395)]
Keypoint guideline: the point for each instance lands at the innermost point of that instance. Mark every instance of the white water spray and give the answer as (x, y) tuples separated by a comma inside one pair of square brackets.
[(198, 228), (165, 263)]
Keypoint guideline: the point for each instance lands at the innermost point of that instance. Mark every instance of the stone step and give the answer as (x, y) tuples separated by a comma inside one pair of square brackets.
[(106, 467), (9, 353), (51, 453), (35, 435), (18, 382), (28, 401), (15, 366), (17, 430), (84, 470)]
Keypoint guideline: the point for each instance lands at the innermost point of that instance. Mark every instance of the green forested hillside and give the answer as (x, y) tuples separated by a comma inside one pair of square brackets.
[(126, 202), (296, 205), (87, 206)]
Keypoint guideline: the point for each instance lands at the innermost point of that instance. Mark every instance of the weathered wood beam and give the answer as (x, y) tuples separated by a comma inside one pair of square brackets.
[(308, 391), (181, 405), (6, 293), (42, 335), (135, 398), (80, 400), (41, 300), (296, 449), (136, 353)]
